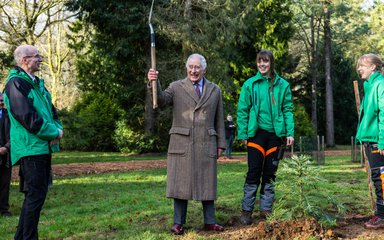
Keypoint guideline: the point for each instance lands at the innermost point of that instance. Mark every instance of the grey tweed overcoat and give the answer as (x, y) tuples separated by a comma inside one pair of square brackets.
[(196, 134)]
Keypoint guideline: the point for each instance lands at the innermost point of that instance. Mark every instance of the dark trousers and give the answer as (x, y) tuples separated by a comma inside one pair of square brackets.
[(34, 179), (262, 157), (180, 211), (5, 182), (376, 164), (228, 150), (262, 166)]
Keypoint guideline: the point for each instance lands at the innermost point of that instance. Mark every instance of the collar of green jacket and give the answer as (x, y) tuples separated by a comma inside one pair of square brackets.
[(20, 73), (374, 77), (259, 77)]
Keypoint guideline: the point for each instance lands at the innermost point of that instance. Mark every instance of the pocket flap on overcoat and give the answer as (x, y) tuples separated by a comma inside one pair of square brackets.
[(179, 130)]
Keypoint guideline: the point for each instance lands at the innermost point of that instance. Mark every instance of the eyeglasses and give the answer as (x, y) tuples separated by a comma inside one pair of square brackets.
[(35, 56), (191, 67)]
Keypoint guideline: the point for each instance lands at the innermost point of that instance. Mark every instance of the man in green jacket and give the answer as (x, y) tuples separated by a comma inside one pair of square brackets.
[(35, 133), (370, 130), (264, 119)]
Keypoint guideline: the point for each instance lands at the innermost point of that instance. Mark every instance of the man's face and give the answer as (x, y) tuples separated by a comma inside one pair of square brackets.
[(194, 70), (33, 60), (1, 102), (229, 118), (264, 67)]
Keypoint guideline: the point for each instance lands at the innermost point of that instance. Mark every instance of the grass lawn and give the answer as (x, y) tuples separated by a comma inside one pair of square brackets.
[(132, 205), (87, 157)]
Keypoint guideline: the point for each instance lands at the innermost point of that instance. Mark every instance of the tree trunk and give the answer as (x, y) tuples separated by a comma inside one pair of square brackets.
[(313, 63), (330, 131), (186, 42)]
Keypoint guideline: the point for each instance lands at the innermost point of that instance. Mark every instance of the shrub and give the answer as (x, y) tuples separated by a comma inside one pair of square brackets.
[(130, 141), (91, 124)]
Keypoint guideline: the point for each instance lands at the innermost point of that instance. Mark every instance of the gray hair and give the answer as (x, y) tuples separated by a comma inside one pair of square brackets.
[(20, 52), (203, 62)]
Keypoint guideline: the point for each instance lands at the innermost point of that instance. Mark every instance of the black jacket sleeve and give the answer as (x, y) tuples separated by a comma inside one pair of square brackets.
[(21, 106)]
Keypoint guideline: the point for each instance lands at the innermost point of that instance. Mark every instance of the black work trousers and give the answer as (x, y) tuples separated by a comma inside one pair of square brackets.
[(34, 180), (262, 166), (5, 182), (376, 164), (262, 157)]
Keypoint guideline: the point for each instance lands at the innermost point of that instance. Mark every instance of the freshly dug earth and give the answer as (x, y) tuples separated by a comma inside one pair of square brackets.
[(351, 227), (286, 230)]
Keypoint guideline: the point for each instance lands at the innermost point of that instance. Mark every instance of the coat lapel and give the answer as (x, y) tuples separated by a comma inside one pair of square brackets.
[(207, 91), (190, 90)]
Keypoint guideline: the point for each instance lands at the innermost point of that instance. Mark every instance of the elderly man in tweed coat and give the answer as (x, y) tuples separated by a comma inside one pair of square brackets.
[(197, 139)]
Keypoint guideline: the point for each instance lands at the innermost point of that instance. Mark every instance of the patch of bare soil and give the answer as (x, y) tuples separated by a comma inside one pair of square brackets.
[(75, 169), (351, 227), (286, 230)]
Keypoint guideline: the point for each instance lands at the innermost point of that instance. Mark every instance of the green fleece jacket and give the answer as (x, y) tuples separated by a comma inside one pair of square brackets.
[(249, 107), (371, 122), (33, 117)]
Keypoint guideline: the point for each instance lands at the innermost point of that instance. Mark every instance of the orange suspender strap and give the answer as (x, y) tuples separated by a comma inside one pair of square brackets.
[(257, 146), (271, 150), (382, 180)]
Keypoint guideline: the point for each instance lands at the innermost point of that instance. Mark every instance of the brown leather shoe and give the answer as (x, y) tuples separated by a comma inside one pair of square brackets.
[(177, 229), (213, 227)]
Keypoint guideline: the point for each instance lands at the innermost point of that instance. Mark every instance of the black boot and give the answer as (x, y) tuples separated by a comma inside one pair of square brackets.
[(245, 218)]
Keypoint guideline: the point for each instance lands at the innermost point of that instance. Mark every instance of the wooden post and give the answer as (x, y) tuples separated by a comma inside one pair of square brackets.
[(357, 99), (300, 144), (353, 150), (362, 155), (318, 150)]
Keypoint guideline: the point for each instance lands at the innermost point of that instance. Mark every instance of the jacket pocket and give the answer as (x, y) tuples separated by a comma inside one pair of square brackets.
[(212, 143), (179, 139), (280, 128)]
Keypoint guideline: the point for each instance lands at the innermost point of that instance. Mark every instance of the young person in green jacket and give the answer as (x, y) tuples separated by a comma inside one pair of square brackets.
[(370, 130), (265, 123), (35, 133)]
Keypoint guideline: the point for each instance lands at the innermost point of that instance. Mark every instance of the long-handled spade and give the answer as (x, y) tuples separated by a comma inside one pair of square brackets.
[(153, 58)]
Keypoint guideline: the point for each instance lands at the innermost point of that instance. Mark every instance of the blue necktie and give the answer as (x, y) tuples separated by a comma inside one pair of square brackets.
[(197, 89)]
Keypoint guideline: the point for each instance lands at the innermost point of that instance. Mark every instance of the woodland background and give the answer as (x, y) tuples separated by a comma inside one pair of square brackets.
[(97, 52)]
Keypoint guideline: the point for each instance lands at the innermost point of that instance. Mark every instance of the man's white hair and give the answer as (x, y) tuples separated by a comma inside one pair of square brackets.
[(203, 62), (20, 52)]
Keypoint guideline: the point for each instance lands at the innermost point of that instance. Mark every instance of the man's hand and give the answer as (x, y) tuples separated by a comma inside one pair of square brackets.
[(56, 140), (152, 75), (290, 141), (219, 152), (60, 134), (3, 150), (381, 151)]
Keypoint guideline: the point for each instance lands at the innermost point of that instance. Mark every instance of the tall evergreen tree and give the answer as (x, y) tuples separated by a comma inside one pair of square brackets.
[(115, 48)]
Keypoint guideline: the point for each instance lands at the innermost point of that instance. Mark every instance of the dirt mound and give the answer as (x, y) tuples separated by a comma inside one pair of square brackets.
[(286, 230)]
